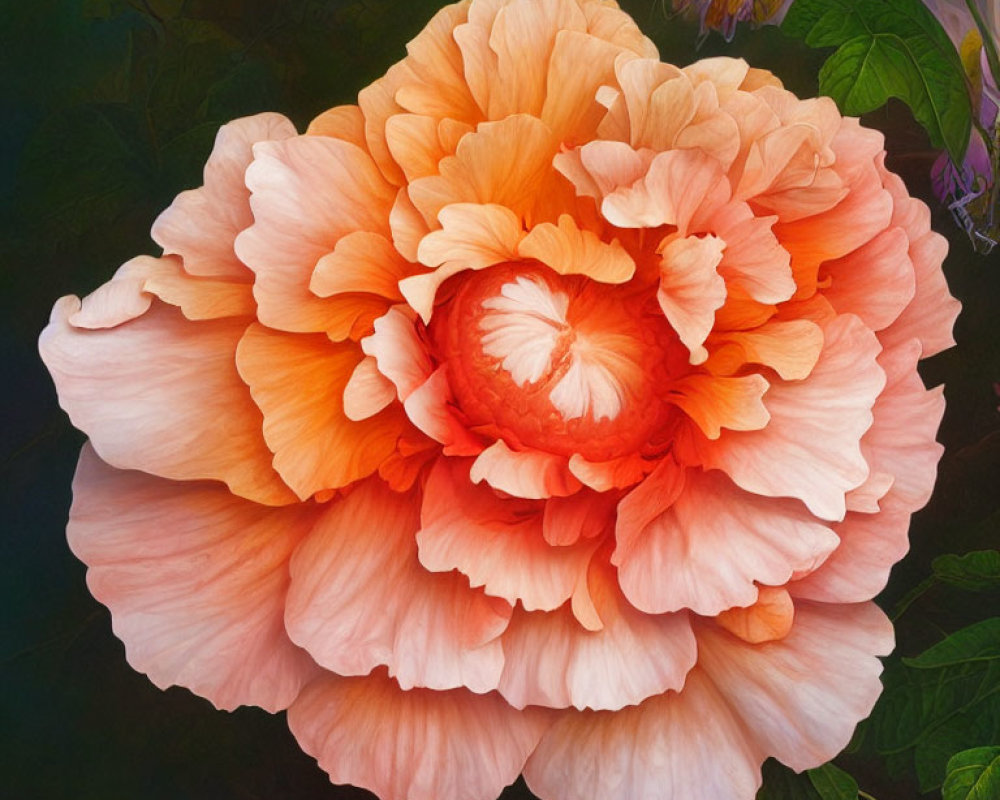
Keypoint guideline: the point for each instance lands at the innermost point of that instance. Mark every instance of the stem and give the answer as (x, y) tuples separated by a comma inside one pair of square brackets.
[(865, 795)]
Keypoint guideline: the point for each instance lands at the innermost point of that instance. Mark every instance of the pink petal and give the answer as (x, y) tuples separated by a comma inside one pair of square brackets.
[(811, 447), (298, 382), (201, 224), (602, 476), (673, 745), (801, 697), (417, 744), (875, 281), (367, 391), (359, 599), (550, 660), (691, 289), (710, 548), (497, 543), (307, 193), (195, 579), (583, 515), (754, 259), (150, 393), (430, 407)]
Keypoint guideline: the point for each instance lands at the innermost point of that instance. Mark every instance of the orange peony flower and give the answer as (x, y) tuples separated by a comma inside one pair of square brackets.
[(554, 410)]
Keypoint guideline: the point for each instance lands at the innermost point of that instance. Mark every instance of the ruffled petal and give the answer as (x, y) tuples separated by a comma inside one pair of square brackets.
[(359, 599), (201, 224), (195, 579), (811, 447), (417, 744), (713, 545), (670, 746), (497, 543), (800, 697), (691, 289), (532, 474), (550, 660), (570, 250), (361, 261), (298, 382), (161, 394)]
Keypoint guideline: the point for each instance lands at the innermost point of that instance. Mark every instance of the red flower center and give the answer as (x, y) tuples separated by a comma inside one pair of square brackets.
[(557, 363)]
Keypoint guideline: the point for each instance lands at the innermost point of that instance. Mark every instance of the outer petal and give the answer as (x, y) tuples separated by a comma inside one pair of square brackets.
[(710, 548), (674, 746), (298, 381), (417, 744), (195, 579), (307, 193), (201, 224), (801, 697), (550, 660), (161, 394), (358, 599), (498, 543), (811, 447)]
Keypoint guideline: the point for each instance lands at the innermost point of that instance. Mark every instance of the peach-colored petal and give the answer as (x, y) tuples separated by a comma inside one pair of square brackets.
[(673, 745), (507, 163), (859, 568), (162, 394), (754, 259), (532, 474), (430, 407), (598, 168), (791, 348), (715, 402), (707, 550), (195, 579), (883, 263), (413, 141), (368, 391), (340, 122), (801, 697), (570, 250), (361, 261), (414, 745), (811, 447), (691, 289), (407, 225), (681, 187), (307, 193), (201, 224), (202, 298), (359, 599), (583, 515), (298, 381), (931, 315), (123, 297), (726, 74), (497, 543), (770, 618), (549, 660), (639, 115), (401, 355)]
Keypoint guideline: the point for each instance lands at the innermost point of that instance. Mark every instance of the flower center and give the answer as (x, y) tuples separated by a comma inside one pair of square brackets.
[(555, 363)]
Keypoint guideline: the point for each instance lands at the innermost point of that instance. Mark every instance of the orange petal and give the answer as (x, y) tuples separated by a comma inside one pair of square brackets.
[(340, 122), (715, 403), (360, 262), (195, 579), (767, 620), (569, 250), (367, 391), (531, 474), (298, 382), (791, 348)]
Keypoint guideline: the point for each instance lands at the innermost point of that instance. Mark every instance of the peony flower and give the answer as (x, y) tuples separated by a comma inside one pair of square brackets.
[(553, 410)]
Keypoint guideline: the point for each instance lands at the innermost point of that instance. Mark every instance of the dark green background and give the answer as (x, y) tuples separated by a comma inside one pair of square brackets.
[(108, 109)]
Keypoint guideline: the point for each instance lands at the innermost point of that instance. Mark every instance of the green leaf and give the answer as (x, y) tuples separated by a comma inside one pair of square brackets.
[(973, 775), (780, 783), (889, 48), (832, 783), (978, 642), (976, 571)]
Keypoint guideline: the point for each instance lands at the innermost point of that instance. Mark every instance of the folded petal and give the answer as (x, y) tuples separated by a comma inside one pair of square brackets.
[(298, 382), (715, 403), (691, 289), (361, 261), (570, 250), (810, 449), (201, 224), (791, 348), (306, 193), (161, 394), (531, 474), (800, 697), (416, 744), (551, 660), (195, 579), (686, 745), (498, 543), (359, 599), (711, 547)]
